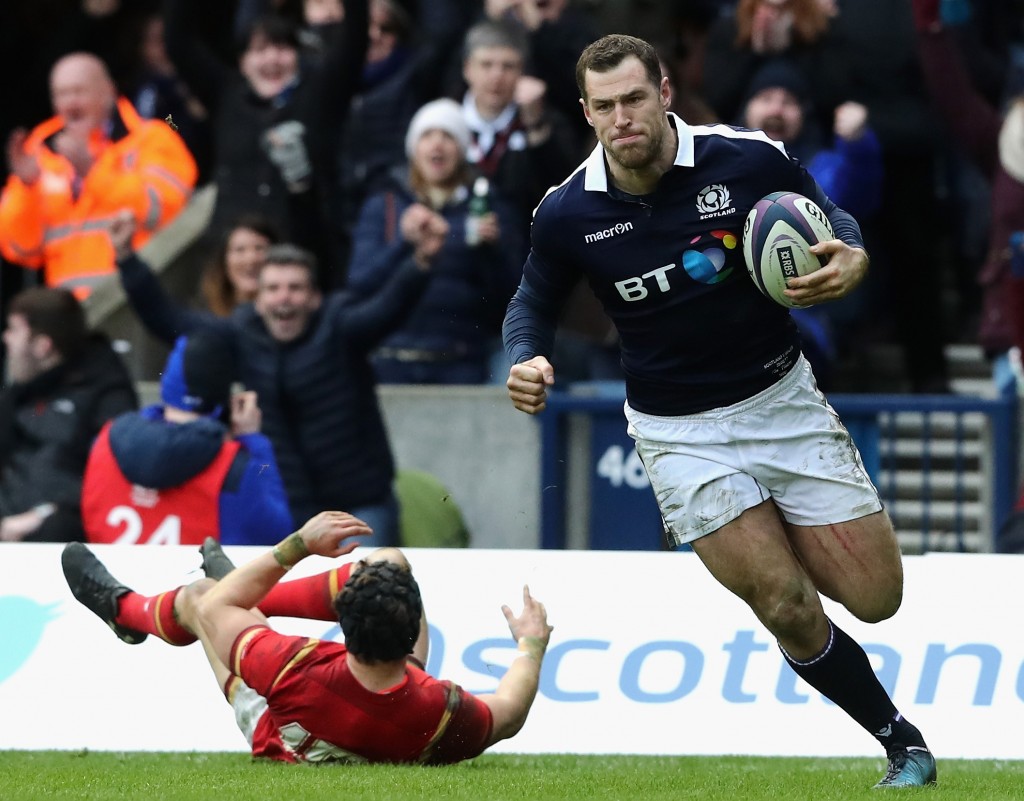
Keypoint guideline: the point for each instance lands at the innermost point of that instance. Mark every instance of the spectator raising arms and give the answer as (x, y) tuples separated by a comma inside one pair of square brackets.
[(74, 171), (556, 32), (305, 354), (64, 386), (273, 116), (520, 144), (174, 474)]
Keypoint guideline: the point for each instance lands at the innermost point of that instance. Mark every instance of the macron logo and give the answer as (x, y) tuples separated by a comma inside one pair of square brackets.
[(608, 233)]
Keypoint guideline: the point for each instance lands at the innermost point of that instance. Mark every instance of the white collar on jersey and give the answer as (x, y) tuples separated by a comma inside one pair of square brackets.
[(596, 178)]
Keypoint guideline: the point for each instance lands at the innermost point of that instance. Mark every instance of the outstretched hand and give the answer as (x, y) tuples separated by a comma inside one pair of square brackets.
[(328, 533), (532, 622), (846, 268)]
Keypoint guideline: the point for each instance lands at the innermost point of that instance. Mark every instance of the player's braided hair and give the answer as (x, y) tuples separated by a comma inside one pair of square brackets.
[(379, 609)]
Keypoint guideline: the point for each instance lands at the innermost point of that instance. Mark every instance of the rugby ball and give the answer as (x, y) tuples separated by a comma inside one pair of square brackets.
[(777, 238)]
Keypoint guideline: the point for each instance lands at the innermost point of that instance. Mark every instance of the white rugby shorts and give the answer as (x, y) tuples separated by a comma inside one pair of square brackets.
[(249, 706), (785, 443)]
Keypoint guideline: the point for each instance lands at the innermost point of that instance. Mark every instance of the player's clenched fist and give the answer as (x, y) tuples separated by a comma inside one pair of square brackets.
[(527, 384)]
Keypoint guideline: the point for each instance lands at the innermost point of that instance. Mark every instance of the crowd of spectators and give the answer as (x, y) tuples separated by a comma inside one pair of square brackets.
[(387, 155)]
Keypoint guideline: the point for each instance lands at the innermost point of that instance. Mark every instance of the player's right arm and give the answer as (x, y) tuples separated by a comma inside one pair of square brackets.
[(511, 702), (528, 331), (227, 609)]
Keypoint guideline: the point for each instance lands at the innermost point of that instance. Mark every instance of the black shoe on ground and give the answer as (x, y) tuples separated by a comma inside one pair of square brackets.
[(97, 590), (215, 564)]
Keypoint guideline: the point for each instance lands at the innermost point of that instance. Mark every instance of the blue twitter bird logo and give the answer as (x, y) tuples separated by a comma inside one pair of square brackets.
[(22, 621)]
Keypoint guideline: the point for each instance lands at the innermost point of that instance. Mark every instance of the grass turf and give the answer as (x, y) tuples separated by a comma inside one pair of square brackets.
[(94, 776)]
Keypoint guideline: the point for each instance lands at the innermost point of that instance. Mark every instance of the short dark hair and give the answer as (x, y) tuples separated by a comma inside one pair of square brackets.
[(56, 313), (289, 254), (275, 28), (609, 51), (495, 33), (379, 610)]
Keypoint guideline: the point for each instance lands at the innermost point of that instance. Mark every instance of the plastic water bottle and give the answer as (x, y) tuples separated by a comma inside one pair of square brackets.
[(477, 209)]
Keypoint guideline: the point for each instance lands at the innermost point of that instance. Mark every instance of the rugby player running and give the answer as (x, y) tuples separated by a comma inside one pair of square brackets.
[(749, 464)]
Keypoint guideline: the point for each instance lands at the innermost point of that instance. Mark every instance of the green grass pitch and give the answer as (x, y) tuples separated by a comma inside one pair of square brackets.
[(94, 776)]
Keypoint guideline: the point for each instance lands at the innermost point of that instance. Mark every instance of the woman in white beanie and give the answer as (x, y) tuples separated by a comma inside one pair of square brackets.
[(454, 329)]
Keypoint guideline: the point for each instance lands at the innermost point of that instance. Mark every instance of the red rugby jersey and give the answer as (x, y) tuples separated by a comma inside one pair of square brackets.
[(319, 712)]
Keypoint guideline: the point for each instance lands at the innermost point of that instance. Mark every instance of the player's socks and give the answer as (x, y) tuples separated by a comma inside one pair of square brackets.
[(154, 614), (898, 734), (311, 597), (843, 674)]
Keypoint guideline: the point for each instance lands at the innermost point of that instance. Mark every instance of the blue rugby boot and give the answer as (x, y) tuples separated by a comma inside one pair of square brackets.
[(909, 767), (97, 590)]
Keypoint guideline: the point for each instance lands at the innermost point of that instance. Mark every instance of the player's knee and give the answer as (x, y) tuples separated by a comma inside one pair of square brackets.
[(879, 605), (186, 603), (790, 611)]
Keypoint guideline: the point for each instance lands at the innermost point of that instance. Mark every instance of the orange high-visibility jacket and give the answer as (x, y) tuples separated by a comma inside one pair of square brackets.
[(144, 166)]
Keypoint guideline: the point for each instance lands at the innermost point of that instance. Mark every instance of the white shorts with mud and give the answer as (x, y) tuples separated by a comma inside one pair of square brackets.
[(785, 443)]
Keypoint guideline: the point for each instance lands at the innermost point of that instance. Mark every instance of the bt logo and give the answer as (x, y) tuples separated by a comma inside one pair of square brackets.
[(708, 266), (705, 266)]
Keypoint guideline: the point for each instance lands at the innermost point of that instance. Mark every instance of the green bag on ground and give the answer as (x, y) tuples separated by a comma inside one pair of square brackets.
[(430, 518)]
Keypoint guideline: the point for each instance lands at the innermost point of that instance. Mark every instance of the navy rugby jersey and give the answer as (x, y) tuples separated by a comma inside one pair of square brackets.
[(668, 267)]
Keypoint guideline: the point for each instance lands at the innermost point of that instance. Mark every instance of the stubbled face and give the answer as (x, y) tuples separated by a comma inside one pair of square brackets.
[(81, 92), (491, 73), (628, 113), (286, 300), (383, 33), (23, 350), (269, 67), (777, 112), (323, 12), (437, 157), (244, 255)]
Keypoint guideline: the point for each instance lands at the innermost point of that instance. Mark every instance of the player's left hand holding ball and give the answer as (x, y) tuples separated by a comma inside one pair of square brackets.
[(846, 268)]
